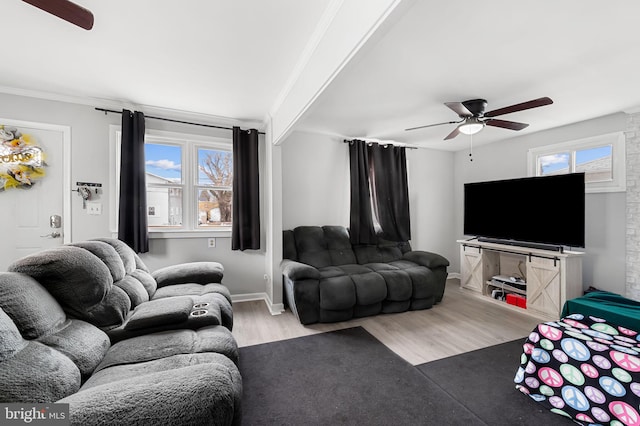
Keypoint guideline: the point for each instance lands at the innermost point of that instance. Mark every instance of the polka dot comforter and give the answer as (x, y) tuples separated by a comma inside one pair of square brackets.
[(583, 368)]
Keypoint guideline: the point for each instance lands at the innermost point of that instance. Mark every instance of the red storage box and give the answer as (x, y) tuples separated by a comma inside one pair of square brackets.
[(517, 300)]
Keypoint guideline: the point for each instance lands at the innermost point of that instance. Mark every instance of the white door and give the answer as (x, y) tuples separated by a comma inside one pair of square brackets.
[(26, 218)]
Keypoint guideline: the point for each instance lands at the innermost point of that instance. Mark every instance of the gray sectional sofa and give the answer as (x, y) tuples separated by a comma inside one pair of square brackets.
[(106, 283), (64, 314), (327, 279)]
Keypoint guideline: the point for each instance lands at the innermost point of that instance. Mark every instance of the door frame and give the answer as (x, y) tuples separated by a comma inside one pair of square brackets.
[(66, 171)]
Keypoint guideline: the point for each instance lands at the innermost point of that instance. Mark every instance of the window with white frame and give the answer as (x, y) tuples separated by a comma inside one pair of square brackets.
[(189, 183), (601, 158)]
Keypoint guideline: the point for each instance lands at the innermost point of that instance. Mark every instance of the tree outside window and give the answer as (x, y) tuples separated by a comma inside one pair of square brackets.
[(215, 182)]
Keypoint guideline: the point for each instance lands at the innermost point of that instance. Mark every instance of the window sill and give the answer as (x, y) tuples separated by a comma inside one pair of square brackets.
[(190, 234)]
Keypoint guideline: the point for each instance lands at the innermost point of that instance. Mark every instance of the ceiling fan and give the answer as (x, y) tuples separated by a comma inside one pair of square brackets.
[(473, 118), (66, 10)]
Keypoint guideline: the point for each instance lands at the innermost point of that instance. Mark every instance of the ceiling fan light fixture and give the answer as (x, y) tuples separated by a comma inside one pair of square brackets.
[(471, 126)]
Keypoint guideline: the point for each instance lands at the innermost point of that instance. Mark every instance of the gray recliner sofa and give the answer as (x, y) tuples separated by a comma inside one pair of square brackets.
[(105, 283), (327, 279), (174, 377)]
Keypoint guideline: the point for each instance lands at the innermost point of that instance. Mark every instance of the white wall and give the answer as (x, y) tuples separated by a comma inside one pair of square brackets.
[(244, 271), (431, 200), (604, 261), (315, 180), (315, 191), (315, 188)]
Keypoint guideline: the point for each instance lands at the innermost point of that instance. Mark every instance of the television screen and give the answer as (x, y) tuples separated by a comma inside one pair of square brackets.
[(544, 210)]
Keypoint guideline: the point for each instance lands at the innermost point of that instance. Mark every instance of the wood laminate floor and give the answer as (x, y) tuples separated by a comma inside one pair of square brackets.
[(462, 322)]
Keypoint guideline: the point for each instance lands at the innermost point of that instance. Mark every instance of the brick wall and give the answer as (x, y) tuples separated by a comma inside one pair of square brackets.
[(632, 136)]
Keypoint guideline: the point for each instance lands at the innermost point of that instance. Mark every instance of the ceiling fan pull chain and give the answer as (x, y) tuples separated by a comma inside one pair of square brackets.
[(471, 148)]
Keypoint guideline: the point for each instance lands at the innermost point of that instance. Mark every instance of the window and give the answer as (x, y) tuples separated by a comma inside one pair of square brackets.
[(215, 181), (189, 183), (163, 164), (601, 158)]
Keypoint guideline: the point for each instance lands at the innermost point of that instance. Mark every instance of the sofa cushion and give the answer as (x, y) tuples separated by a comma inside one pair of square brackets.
[(323, 246), (191, 290), (160, 312), (127, 270), (82, 343), (11, 342), (192, 272), (37, 373), (80, 282), (126, 371), (399, 285), (383, 252), (337, 293), (34, 311), (37, 315), (289, 245), (30, 371), (153, 346), (180, 390)]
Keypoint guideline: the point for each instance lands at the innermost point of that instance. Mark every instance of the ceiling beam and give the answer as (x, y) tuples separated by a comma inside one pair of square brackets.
[(344, 29)]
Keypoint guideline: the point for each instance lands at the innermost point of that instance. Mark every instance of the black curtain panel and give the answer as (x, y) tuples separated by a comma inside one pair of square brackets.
[(391, 192), (361, 229), (245, 228), (132, 214)]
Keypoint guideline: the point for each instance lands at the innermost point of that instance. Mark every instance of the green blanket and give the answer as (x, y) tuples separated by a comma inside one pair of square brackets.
[(612, 307)]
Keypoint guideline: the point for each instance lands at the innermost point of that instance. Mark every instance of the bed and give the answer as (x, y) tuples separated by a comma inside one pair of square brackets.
[(585, 368)]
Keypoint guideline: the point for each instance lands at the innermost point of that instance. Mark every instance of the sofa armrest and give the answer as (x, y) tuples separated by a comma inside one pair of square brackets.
[(298, 271), (194, 272), (425, 258)]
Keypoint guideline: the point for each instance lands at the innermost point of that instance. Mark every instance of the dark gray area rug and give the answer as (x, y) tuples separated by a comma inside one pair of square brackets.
[(482, 381), (348, 377)]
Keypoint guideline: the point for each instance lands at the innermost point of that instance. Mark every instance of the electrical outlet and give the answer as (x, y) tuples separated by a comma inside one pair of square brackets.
[(94, 208), (211, 242)]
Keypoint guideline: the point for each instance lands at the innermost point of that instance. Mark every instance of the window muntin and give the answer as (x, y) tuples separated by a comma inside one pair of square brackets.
[(601, 158)]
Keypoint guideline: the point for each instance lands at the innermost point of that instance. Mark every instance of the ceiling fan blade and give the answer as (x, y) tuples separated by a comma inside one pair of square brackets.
[(433, 125), (66, 10), (511, 125), (453, 134), (459, 109), (519, 107)]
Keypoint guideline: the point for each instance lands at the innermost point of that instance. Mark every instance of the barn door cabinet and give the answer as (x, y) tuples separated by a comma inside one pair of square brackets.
[(548, 278)]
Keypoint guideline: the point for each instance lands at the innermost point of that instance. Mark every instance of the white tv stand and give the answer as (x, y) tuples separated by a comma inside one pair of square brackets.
[(551, 277)]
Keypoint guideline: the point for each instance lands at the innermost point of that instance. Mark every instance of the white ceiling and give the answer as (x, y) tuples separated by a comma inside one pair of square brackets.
[(233, 59), (583, 54), (225, 58)]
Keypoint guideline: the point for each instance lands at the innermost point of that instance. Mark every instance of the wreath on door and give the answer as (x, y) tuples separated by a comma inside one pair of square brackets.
[(21, 161)]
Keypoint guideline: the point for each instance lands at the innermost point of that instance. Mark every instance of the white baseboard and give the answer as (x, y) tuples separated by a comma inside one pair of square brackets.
[(455, 275), (274, 308)]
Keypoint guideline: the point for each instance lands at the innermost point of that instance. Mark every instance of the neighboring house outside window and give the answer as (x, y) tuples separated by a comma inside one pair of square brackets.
[(601, 158), (189, 183)]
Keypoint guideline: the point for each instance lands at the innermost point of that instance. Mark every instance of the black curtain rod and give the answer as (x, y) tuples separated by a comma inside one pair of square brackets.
[(173, 121), (380, 143)]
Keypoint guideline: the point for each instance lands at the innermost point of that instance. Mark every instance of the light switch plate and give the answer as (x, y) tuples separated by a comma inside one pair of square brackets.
[(94, 208)]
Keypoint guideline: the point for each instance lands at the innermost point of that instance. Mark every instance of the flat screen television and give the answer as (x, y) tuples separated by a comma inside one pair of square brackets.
[(547, 210)]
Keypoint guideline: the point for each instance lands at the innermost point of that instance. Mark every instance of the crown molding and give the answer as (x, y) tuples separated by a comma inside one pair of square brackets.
[(146, 109)]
